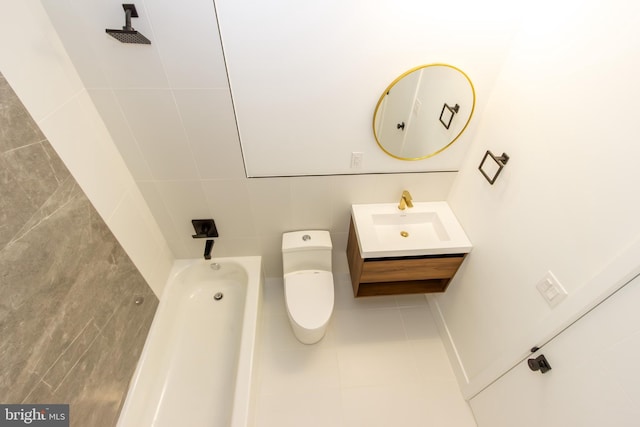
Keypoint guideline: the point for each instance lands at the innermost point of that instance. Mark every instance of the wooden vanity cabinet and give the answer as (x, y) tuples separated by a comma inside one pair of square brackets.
[(399, 275)]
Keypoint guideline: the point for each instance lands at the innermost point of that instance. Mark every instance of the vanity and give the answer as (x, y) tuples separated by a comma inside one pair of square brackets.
[(393, 251)]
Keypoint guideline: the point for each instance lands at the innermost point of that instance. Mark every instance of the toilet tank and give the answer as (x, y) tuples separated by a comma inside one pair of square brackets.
[(306, 250)]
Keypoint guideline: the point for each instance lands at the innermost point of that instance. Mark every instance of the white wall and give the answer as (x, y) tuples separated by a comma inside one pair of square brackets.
[(168, 109), (306, 76), (36, 65), (594, 376), (564, 110), (252, 214)]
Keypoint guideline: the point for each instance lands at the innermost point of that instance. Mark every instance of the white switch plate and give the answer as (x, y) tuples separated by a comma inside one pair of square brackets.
[(356, 160), (551, 289)]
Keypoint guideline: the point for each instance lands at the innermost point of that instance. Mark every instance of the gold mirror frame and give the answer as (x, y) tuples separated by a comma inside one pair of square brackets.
[(437, 122)]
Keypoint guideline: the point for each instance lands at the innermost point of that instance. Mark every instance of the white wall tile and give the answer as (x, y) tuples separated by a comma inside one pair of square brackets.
[(138, 235), (230, 206), (208, 119), (189, 43), (311, 201), (153, 118), (236, 246), (158, 277), (124, 65), (115, 120), (271, 251), (222, 247), (258, 211), (79, 137), (36, 65), (155, 240), (161, 214), (173, 120), (79, 37), (339, 256), (270, 201), (100, 59), (184, 200)]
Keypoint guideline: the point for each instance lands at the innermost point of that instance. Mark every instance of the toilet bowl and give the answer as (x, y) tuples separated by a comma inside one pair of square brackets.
[(308, 283)]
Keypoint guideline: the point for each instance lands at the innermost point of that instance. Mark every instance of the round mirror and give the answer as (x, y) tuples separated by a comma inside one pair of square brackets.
[(423, 111)]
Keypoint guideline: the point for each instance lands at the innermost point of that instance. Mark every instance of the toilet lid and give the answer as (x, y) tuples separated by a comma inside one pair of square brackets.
[(309, 297)]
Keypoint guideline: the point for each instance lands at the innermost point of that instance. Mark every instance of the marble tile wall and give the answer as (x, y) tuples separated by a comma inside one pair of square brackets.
[(70, 331)]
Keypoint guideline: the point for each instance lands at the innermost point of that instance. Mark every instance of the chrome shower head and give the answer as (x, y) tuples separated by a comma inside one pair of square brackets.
[(127, 34)]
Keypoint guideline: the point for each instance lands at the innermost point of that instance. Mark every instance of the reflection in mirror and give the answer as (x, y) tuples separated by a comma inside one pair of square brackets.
[(423, 111)]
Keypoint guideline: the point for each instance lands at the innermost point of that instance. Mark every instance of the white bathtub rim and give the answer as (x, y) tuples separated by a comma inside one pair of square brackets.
[(242, 402), (247, 361)]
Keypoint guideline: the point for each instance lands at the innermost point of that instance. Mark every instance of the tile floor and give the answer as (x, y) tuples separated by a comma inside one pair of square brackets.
[(382, 363)]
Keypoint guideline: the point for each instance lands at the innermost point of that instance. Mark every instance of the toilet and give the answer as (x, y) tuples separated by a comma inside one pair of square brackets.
[(308, 283)]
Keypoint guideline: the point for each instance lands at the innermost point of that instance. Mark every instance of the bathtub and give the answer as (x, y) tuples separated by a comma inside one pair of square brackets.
[(197, 364)]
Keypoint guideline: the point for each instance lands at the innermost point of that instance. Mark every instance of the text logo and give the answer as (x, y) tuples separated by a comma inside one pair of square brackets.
[(34, 415)]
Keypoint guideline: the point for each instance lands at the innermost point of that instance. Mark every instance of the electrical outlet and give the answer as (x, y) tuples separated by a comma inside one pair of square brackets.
[(551, 289), (356, 160)]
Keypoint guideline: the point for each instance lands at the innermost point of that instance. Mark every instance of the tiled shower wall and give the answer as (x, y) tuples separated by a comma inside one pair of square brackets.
[(70, 331)]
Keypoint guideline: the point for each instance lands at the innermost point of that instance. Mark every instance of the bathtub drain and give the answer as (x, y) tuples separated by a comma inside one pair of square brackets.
[(218, 296), (215, 266)]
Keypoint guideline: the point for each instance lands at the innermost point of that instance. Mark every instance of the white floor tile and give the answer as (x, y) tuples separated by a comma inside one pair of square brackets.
[(377, 364), (446, 407), (384, 406), (431, 360), (412, 300), (419, 324), (375, 326), (381, 363), (313, 408), (299, 370), (273, 297)]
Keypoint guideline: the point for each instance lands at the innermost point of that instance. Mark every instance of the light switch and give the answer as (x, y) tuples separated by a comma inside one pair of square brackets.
[(551, 289)]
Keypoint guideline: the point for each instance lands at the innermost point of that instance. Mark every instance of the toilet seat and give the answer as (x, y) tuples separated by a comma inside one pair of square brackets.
[(309, 297)]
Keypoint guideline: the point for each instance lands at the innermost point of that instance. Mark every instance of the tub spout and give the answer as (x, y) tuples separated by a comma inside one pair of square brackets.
[(207, 249)]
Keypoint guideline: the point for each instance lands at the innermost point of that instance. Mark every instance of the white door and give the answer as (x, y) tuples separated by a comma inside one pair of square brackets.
[(594, 380)]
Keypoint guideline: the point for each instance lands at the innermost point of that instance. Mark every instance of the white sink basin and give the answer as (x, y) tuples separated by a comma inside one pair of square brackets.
[(428, 228)]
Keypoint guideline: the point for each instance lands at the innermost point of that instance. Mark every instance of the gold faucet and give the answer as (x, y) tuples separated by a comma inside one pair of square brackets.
[(405, 200)]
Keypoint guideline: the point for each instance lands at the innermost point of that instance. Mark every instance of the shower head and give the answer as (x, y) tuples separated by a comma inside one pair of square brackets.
[(127, 34)]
